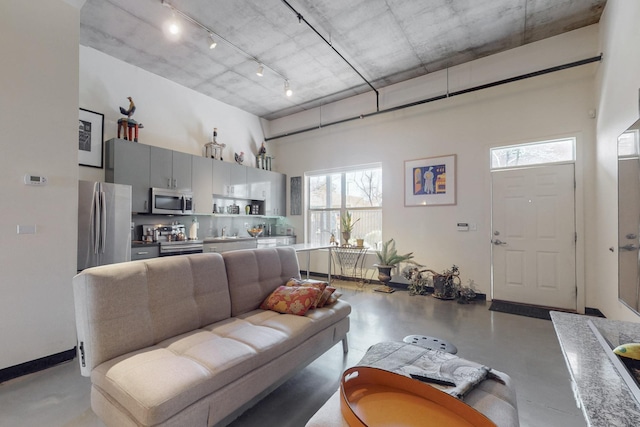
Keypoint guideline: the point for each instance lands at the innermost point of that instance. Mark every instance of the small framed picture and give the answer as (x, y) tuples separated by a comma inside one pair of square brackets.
[(430, 181), (91, 138)]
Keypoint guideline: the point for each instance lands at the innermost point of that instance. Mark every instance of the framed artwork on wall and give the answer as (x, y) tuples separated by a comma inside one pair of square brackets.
[(90, 138), (430, 181), (296, 195)]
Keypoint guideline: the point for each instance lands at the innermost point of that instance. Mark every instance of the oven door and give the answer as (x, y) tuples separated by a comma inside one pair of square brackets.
[(171, 202)]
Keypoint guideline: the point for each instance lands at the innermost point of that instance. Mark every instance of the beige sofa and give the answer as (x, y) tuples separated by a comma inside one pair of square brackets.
[(180, 341)]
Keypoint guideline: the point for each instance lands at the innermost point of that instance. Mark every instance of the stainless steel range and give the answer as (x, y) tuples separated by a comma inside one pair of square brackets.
[(173, 239)]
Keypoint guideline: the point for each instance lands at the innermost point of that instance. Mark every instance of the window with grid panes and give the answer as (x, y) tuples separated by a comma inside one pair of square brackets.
[(332, 193)]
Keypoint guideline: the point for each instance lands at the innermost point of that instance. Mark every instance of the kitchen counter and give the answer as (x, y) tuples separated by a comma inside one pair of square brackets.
[(605, 398)]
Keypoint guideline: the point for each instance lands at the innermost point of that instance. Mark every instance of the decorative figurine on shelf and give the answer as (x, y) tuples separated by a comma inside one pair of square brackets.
[(262, 160), (127, 125), (239, 157), (214, 149)]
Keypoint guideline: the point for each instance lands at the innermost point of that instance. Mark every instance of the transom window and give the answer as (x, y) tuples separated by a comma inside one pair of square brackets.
[(628, 144), (332, 193), (556, 151)]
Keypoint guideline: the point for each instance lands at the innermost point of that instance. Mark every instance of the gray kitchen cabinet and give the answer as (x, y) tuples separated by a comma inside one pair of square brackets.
[(170, 169), (270, 187), (151, 251), (278, 199), (230, 179), (238, 181), (128, 163), (221, 178), (259, 184), (230, 245), (202, 180)]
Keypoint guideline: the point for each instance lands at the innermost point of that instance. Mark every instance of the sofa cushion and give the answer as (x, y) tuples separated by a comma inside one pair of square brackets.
[(254, 273), (157, 382), (124, 307)]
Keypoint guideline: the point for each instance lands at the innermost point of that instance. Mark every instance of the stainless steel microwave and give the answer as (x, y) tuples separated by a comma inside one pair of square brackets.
[(171, 202)]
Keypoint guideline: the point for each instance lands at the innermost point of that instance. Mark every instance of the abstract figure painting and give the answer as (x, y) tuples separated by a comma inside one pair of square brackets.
[(430, 181)]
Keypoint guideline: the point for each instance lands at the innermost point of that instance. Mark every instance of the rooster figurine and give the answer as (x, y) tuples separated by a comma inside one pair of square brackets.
[(239, 157), (127, 125), (132, 108)]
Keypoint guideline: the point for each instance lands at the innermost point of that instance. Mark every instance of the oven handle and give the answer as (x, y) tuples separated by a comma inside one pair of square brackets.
[(180, 248)]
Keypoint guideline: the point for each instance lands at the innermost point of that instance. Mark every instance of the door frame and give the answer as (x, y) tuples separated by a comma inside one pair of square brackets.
[(579, 208)]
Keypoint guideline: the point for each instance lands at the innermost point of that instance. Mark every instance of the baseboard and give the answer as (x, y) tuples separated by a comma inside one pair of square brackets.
[(396, 285), (32, 366)]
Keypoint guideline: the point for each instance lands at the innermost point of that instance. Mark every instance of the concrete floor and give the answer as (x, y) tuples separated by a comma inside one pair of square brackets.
[(524, 348)]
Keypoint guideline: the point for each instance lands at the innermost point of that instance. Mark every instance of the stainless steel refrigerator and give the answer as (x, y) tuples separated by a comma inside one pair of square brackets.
[(104, 223)]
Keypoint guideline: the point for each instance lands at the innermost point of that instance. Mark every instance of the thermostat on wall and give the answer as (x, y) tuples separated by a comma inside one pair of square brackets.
[(34, 180)]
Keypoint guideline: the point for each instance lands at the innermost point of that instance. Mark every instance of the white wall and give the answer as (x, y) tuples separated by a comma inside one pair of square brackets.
[(39, 122), (174, 116), (618, 84), (540, 108)]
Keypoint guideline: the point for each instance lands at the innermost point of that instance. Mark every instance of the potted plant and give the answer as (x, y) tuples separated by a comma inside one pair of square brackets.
[(444, 284), (388, 258), (346, 226)]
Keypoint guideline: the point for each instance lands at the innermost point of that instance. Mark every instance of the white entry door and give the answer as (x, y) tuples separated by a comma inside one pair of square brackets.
[(533, 236)]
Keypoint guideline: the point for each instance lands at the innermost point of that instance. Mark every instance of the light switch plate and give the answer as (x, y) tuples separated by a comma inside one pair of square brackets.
[(27, 229)]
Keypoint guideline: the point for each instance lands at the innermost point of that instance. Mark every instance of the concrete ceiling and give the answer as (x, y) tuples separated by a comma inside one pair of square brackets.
[(386, 41)]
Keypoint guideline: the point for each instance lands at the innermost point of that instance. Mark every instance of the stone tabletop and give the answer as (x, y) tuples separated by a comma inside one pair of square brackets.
[(600, 390)]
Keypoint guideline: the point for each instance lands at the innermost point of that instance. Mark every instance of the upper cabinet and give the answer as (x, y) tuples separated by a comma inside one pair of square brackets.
[(278, 194), (230, 179), (201, 177), (259, 184), (144, 166), (128, 163), (170, 169), (270, 187)]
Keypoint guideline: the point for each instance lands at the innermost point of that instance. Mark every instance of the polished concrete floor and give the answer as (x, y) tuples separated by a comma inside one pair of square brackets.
[(524, 348)]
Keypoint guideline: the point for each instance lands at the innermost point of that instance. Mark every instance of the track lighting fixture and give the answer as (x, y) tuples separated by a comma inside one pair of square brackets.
[(212, 42), (172, 29)]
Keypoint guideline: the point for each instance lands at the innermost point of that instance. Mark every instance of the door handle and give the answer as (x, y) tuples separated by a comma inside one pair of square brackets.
[(629, 247), (498, 242)]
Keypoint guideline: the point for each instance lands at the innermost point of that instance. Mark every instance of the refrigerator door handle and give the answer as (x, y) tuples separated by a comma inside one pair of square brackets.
[(95, 221), (103, 221)]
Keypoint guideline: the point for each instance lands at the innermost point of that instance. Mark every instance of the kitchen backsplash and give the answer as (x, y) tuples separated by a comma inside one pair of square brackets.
[(211, 226)]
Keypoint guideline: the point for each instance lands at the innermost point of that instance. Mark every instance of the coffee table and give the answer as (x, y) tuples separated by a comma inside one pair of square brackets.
[(495, 398)]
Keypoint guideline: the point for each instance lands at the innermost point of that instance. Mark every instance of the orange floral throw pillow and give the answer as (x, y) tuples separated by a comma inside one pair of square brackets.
[(325, 296), (291, 299), (312, 283)]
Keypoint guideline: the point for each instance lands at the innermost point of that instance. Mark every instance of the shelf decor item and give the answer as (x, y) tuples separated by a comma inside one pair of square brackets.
[(90, 138), (430, 181)]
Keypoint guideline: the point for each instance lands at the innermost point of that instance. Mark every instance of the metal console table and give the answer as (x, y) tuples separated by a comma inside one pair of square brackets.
[(350, 260)]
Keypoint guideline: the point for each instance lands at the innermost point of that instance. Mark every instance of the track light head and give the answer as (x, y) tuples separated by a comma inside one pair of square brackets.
[(287, 88), (260, 71), (172, 28), (212, 42)]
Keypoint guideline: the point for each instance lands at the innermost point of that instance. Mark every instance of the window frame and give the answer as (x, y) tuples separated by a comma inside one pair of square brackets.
[(531, 144), (308, 210)]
